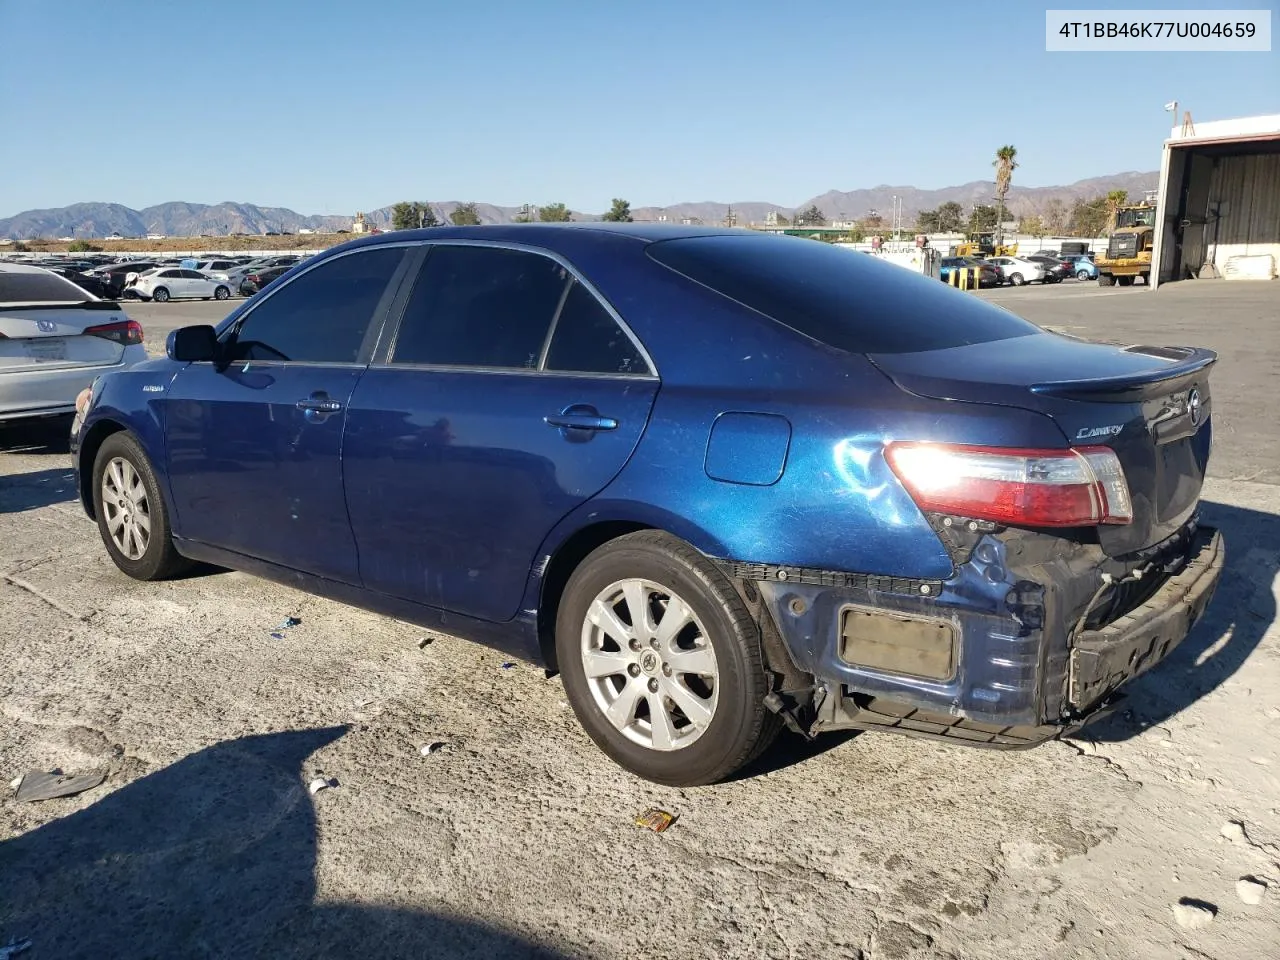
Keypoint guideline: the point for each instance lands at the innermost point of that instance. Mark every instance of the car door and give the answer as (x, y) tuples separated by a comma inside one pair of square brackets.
[(254, 441), (510, 394), (193, 283)]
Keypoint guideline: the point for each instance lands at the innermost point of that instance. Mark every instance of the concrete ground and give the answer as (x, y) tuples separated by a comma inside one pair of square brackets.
[(516, 838)]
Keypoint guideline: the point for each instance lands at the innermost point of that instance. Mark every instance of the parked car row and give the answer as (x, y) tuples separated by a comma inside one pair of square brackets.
[(1043, 266), (169, 277)]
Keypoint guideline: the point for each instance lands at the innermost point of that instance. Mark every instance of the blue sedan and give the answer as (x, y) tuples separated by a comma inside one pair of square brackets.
[(722, 482)]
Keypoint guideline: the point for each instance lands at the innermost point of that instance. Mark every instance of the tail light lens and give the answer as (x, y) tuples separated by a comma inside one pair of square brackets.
[(125, 332), (1079, 487)]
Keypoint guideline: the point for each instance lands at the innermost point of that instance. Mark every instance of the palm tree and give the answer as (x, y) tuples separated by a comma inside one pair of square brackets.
[(1115, 200), (1005, 163)]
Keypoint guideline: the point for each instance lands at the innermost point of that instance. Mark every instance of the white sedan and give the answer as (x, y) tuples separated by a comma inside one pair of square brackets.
[(55, 339), (170, 283), (1017, 271)]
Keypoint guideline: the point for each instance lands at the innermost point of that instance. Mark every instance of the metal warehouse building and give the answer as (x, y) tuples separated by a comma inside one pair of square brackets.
[(1219, 199)]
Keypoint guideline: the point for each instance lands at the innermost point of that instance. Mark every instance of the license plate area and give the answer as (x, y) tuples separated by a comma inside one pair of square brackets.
[(46, 348)]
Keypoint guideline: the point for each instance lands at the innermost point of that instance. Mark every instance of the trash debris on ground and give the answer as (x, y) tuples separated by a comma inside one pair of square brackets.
[(1251, 890), (508, 665), (434, 747), (322, 783), (655, 820), (1233, 830), (278, 632), (38, 785), (13, 948), (1193, 914), (424, 642)]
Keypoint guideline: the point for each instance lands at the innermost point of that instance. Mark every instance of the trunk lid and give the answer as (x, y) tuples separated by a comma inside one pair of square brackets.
[(1151, 405), (48, 336)]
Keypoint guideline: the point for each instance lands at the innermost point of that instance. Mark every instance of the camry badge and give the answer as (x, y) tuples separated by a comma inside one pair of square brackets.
[(1194, 407)]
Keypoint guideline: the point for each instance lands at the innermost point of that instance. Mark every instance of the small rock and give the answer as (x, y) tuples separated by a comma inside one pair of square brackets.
[(1233, 830), (424, 642), (16, 782), (1260, 761), (429, 748), (1251, 890), (1193, 914)]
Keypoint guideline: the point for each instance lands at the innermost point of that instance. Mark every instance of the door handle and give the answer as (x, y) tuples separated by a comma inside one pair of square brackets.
[(581, 421), (319, 405)]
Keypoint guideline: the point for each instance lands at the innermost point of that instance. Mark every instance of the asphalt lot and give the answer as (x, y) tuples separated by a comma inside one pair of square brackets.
[(516, 838)]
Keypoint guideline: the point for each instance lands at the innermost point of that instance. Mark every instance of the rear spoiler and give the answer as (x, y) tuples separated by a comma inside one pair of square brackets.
[(1189, 364)]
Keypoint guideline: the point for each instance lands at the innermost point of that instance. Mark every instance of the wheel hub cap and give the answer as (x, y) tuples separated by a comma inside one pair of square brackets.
[(126, 508), (649, 664)]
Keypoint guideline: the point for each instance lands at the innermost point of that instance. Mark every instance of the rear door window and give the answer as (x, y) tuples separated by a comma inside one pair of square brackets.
[(321, 316), (477, 306), (839, 297), (588, 340)]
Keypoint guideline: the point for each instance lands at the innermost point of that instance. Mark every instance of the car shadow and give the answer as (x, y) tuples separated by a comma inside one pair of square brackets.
[(31, 491), (213, 856), (791, 750), (1239, 615), (45, 435)]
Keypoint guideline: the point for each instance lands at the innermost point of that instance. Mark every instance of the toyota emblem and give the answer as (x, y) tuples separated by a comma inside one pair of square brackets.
[(1194, 407), (46, 326)]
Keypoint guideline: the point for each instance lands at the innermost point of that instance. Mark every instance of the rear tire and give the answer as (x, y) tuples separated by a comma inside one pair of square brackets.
[(711, 720), (131, 513), (1082, 274), (1125, 281), (1105, 280), (160, 295)]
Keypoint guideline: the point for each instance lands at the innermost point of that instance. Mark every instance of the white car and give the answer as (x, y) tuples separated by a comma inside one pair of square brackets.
[(1017, 271), (55, 339), (170, 283)]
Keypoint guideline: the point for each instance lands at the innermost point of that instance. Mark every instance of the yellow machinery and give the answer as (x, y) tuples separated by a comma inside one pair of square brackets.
[(1129, 245), (984, 245)]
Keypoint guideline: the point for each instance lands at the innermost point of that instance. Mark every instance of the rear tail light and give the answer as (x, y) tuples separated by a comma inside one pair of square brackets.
[(1080, 487), (124, 332)]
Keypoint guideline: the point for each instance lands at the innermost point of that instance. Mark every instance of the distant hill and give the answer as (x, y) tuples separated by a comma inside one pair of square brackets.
[(177, 219)]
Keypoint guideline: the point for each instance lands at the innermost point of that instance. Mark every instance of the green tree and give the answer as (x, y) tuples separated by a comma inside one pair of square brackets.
[(1032, 225), (554, 213), (81, 246), (782, 221), (927, 221), (620, 212), (465, 215), (1088, 218), (812, 217), (983, 219), (410, 215), (950, 217)]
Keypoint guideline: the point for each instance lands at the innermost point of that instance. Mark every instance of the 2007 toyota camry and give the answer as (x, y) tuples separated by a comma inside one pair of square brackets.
[(723, 482)]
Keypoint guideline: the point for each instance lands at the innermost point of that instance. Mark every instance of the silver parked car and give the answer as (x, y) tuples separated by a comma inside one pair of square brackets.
[(55, 339)]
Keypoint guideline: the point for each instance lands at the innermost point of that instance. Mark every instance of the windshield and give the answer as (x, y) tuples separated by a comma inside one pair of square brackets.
[(1141, 217), (844, 299)]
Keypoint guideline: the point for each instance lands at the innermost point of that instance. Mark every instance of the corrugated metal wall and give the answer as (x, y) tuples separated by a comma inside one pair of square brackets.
[(1245, 194)]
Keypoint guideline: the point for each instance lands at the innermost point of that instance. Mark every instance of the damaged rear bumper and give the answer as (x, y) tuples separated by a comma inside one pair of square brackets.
[(1021, 669)]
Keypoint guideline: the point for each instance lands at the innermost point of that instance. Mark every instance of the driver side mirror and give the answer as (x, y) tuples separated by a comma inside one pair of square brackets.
[(198, 344)]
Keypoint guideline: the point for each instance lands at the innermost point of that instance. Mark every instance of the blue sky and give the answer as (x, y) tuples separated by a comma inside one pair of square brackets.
[(329, 106)]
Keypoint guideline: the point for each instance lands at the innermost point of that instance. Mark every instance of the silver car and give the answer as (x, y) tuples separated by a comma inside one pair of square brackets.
[(172, 283), (55, 338)]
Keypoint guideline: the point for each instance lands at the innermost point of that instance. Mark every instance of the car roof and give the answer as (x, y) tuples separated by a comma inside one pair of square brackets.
[(546, 234)]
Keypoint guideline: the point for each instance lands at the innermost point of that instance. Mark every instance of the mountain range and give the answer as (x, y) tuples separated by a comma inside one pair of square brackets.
[(177, 219)]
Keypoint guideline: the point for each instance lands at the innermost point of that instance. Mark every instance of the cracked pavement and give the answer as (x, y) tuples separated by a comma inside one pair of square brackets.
[(518, 839)]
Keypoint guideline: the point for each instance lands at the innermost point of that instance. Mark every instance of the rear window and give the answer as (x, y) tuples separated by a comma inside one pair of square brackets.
[(839, 297), (38, 287)]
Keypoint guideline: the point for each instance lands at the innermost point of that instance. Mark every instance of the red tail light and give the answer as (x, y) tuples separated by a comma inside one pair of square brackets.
[(1079, 487), (125, 332)]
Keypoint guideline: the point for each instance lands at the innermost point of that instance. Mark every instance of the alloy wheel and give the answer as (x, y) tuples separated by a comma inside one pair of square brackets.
[(649, 664), (126, 508)]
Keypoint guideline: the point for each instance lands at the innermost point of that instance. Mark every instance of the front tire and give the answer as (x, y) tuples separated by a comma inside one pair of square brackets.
[(1125, 281), (661, 661), (221, 293), (132, 517), (160, 295), (1106, 280), (1016, 279), (1082, 274)]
